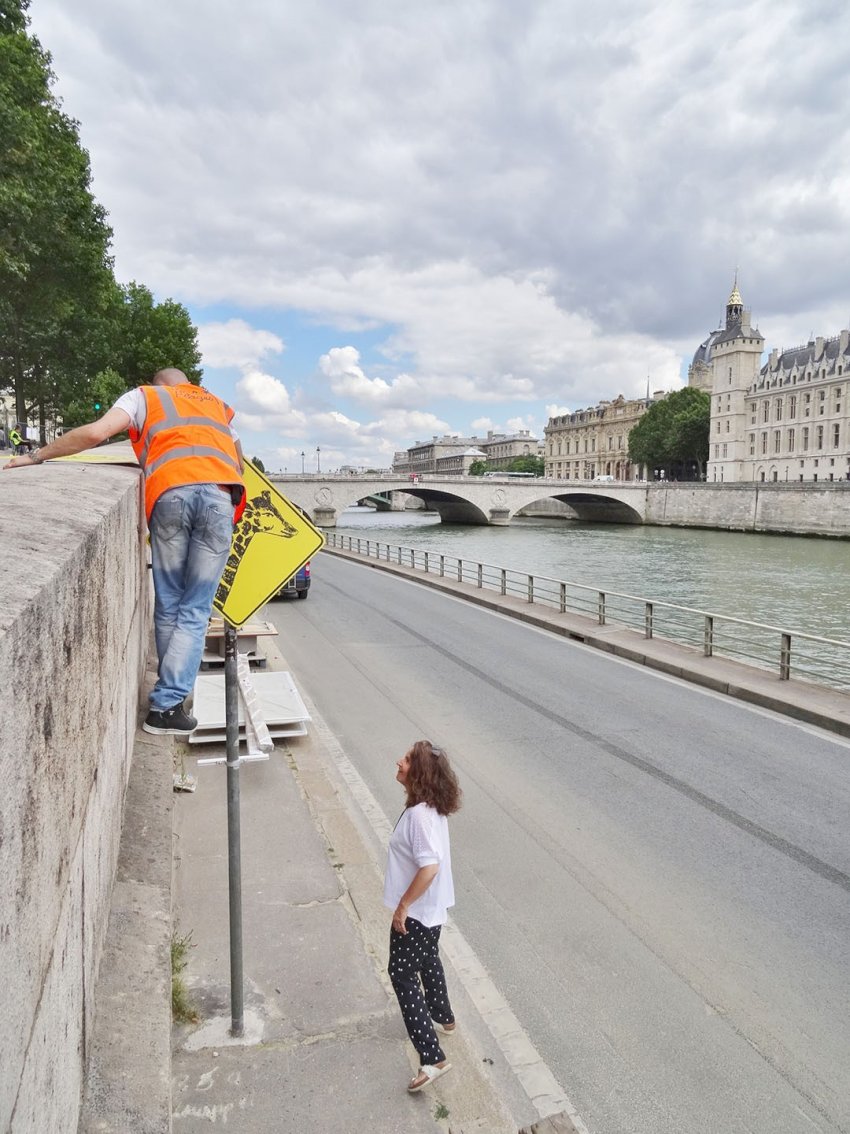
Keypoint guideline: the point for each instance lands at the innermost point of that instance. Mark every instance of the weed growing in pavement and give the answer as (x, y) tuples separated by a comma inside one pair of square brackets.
[(441, 1111), (183, 1011)]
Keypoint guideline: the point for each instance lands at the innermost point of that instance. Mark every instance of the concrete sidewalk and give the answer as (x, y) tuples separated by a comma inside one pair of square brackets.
[(325, 1049)]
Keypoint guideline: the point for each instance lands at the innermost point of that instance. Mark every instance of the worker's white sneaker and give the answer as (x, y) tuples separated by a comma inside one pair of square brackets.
[(170, 722)]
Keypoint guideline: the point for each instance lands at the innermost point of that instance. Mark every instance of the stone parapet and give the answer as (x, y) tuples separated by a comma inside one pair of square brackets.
[(74, 630)]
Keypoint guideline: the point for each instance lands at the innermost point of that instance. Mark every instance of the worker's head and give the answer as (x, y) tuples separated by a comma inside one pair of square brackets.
[(171, 376)]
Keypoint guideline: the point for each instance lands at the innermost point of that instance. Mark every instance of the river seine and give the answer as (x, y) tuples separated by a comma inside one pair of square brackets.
[(789, 581)]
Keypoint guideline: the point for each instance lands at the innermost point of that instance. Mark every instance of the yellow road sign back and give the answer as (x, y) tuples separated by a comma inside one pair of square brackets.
[(270, 543)]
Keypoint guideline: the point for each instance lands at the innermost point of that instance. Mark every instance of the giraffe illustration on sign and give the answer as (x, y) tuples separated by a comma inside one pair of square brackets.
[(260, 516)]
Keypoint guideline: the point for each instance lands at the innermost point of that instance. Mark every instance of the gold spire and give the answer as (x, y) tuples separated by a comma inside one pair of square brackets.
[(735, 299)]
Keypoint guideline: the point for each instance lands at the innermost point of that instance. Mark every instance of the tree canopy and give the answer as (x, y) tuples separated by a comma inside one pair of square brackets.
[(673, 434), (530, 464), (67, 329)]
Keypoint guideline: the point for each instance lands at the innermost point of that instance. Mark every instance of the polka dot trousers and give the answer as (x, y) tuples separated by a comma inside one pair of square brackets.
[(415, 965)]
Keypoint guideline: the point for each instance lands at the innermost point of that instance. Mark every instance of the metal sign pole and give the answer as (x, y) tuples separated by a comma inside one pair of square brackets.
[(234, 842)]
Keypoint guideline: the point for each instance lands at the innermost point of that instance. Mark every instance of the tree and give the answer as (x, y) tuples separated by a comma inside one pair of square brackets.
[(673, 434), (152, 336), (55, 268), (530, 464), (478, 468), (256, 461)]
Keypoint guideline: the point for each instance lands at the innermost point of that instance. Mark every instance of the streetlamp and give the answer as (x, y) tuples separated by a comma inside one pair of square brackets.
[(318, 459), (302, 462)]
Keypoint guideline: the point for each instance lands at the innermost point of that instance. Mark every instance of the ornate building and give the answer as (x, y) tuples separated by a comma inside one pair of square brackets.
[(594, 441), (788, 420)]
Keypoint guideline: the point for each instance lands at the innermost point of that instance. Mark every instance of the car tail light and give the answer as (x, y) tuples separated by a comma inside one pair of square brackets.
[(307, 569)]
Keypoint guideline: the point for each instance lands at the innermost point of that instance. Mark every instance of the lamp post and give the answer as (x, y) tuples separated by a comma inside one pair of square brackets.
[(318, 459), (302, 462)]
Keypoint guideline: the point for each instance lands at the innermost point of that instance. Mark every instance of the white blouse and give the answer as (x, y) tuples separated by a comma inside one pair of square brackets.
[(420, 838)]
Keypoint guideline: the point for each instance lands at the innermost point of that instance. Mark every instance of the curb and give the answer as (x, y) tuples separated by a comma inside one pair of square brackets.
[(128, 1078)]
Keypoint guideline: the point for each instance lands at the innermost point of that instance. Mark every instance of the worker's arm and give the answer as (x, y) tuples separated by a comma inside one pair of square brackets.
[(76, 440), (240, 455)]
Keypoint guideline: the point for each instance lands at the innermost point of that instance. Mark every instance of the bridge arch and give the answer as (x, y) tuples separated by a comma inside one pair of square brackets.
[(465, 500)]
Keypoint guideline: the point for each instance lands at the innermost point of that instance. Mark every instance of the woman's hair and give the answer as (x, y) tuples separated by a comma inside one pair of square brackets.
[(430, 779)]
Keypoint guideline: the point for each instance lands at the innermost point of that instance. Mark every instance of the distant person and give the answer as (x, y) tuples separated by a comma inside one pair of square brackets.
[(19, 440), (419, 890), (194, 492)]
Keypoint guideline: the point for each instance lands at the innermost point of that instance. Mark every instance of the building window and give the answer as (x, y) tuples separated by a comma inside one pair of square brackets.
[(805, 438), (752, 445), (790, 440), (777, 441), (836, 434), (777, 410), (793, 409), (765, 410), (716, 450), (727, 424), (725, 452), (819, 437), (764, 442)]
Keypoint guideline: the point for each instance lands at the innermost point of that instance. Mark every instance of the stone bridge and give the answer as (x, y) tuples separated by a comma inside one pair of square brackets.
[(466, 500)]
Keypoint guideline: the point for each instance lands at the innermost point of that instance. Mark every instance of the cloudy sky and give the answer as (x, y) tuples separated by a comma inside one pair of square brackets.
[(393, 219)]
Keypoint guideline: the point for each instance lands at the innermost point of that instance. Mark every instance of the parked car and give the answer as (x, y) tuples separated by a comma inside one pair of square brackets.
[(298, 586), (603, 480)]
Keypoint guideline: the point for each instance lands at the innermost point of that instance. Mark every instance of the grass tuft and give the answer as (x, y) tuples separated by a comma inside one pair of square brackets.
[(183, 1010)]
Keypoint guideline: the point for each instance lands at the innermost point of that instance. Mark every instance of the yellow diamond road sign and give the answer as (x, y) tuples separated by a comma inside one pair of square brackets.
[(270, 543)]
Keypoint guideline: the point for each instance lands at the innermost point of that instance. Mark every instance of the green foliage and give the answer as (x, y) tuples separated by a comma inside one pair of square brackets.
[(64, 321), (183, 1011), (673, 433), (55, 268), (478, 468), (92, 398), (256, 461), (527, 464), (153, 336)]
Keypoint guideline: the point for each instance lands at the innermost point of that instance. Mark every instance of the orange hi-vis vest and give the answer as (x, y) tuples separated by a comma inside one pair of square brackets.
[(186, 439)]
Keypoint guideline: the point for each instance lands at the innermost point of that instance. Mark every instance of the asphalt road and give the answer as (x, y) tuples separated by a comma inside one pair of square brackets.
[(657, 878)]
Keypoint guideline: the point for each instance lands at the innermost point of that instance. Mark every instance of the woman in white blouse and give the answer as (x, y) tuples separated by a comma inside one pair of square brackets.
[(419, 890)]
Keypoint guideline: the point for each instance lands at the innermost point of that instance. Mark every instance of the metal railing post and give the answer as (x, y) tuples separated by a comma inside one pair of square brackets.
[(531, 588), (503, 588), (562, 598), (460, 570), (601, 608), (647, 620), (442, 566), (708, 636), (480, 574), (785, 658)]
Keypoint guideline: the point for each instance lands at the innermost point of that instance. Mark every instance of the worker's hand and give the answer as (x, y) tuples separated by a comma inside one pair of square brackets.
[(19, 462), (399, 918)]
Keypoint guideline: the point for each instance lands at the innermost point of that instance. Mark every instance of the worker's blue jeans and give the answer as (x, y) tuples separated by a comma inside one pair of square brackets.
[(191, 528)]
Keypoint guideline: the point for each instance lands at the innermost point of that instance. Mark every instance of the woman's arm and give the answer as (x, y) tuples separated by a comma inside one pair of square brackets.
[(422, 879)]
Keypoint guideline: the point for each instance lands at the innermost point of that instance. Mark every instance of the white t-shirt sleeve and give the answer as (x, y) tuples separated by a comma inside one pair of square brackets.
[(424, 838), (134, 404)]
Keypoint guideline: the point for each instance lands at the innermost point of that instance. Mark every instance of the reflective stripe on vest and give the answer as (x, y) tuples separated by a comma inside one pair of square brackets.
[(177, 448)]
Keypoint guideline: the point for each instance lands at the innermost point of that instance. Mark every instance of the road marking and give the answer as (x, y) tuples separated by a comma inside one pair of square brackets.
[(540, 1085)]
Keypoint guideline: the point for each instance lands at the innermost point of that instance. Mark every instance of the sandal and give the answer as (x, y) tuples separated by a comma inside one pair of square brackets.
[(427, 1075), (446, 1029)]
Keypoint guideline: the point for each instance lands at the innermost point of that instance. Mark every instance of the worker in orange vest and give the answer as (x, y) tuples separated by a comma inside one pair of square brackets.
[(194, 493)]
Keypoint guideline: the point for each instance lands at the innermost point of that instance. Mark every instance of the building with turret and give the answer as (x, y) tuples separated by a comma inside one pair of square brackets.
[(785, 421)]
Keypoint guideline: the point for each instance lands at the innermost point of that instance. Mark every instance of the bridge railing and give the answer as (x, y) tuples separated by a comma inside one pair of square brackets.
[(787, 652)]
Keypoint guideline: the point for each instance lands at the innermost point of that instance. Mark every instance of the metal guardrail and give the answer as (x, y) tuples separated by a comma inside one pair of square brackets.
[(790, 653)]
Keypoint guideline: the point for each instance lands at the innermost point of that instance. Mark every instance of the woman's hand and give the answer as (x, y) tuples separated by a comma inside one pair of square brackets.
[(399, 918)]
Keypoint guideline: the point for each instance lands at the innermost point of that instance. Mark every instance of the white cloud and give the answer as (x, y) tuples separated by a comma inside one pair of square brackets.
[(236, 343), (538, 203), (341, 365)]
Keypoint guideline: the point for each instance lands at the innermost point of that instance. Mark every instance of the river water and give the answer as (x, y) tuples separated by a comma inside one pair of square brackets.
[(794, 582)]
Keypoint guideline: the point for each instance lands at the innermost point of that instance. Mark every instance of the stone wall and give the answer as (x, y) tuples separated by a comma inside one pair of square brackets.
[(798, 509), (74, 630)]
